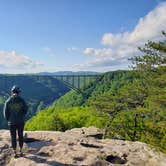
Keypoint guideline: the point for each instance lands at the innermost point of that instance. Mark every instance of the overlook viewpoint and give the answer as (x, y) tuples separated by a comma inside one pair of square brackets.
[(83, 146), (82, 82)]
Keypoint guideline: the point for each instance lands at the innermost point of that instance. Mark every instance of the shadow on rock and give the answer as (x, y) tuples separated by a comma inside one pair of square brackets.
[(36, 143), (87, 145), (39, 160)]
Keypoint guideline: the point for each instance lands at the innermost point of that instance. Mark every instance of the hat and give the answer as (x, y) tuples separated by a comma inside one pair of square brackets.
[(16, 89)]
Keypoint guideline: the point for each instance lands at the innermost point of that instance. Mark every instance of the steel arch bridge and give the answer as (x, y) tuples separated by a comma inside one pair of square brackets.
[(77, 82)]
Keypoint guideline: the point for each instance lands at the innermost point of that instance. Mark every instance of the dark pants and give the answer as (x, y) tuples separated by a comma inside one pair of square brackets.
[(14, 129)]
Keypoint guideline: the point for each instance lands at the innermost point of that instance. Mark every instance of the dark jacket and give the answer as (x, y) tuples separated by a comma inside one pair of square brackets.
[(15, 110)]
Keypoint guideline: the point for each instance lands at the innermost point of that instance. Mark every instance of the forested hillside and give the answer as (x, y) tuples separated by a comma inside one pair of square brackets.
[(38, 91), (130, 105)]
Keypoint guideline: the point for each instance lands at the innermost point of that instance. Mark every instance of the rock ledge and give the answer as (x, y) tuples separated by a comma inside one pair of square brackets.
[(82, 146)]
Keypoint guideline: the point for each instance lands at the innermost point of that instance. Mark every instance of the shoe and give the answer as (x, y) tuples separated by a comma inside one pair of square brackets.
[(21, 153), (16, 155)]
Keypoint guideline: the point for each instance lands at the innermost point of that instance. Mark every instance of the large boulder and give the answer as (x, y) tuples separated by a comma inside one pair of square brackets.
[(83, 146)]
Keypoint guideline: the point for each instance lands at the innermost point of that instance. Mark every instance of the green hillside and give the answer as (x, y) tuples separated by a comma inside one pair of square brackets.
[(130, 105), (106, 82), (136, 109)]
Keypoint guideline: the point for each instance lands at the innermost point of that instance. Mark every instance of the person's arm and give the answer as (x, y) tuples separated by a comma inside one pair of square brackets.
[(6, 111), (25, 109)]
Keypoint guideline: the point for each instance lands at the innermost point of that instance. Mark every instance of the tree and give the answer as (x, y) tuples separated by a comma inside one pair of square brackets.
[(151, 66), (154, 55), (41, 106)]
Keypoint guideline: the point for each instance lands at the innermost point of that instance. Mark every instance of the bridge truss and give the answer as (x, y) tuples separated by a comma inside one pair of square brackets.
[(77, 82)]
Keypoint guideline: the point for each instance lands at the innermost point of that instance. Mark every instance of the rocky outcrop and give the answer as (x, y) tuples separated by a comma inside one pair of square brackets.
[(83, 146)]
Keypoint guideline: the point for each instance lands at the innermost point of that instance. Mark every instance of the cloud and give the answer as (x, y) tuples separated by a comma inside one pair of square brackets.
[(109, 58), (49, 51), (147, 28), (98, 52), (71, 49), (103, 66), (13, 62), (124, 45)]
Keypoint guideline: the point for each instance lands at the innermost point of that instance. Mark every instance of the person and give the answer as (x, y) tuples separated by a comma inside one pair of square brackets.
[(15, 110)]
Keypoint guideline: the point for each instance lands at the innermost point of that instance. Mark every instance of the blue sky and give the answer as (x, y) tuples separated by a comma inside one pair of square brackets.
[(96, 35)]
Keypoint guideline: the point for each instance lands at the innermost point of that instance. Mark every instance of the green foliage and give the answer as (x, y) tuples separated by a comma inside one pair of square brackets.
[(2, 100), (146, 120), (3, 123), (70, 99), (41, 106), (62, 119)]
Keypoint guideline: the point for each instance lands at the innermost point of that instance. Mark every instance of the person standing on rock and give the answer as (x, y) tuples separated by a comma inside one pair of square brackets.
[(15, 110)]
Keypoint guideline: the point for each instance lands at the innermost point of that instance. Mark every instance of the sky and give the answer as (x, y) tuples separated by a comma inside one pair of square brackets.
[(76, 35)]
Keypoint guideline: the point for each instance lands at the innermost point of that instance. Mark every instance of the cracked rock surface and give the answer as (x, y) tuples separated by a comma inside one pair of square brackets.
[(82, 146)]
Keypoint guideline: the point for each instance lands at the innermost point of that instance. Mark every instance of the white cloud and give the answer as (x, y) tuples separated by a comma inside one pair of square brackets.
[(98, 52), (71, 49), (124, 45), (49, 51), (101, 66), (12, 62), (147, 28), (114, 40)]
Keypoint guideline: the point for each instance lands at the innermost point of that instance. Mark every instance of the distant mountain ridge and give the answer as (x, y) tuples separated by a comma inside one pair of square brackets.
[(54, 73), (69, 73)]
